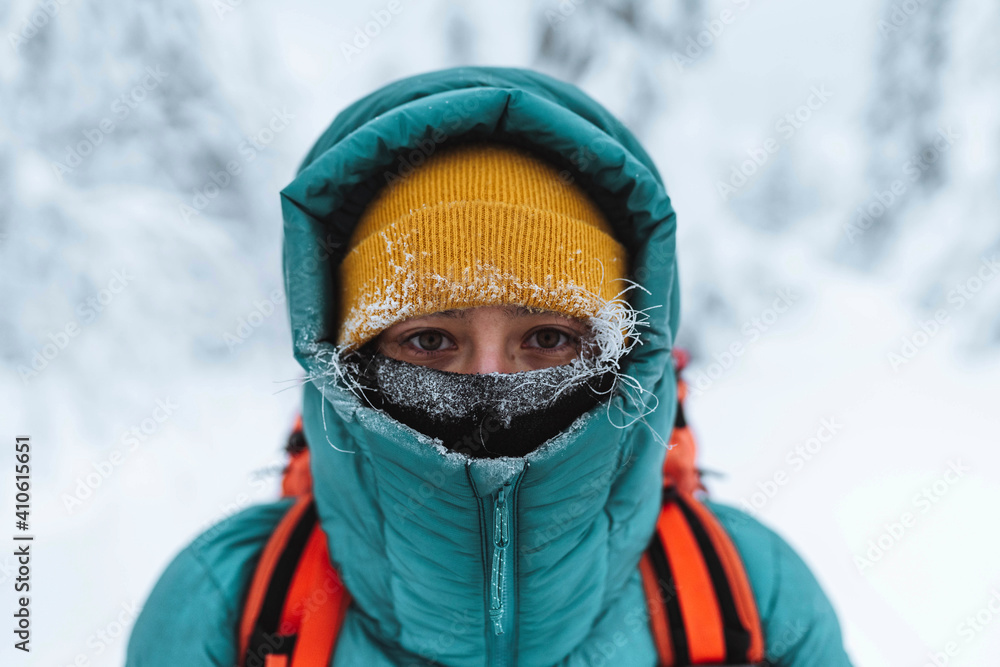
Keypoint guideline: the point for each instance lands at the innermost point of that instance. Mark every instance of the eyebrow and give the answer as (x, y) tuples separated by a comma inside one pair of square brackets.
[(522, 311), (517, 311)]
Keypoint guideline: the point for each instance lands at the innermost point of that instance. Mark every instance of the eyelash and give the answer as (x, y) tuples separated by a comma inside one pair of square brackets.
[(571, 339), (407, 342)]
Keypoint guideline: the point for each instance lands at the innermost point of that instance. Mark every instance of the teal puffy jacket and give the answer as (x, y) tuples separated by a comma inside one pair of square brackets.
[(410, 524)]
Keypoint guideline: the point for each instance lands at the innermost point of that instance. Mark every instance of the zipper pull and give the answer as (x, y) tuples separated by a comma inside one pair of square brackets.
[(501, 537), (496, 592), (500, 521)]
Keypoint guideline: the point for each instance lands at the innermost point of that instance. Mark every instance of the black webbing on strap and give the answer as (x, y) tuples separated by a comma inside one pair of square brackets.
[(266, 638), (680, 421)]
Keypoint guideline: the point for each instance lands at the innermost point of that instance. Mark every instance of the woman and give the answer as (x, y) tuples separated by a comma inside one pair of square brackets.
[(489, 394)]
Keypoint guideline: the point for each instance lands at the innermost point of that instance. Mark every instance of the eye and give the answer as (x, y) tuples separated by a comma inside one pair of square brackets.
[(548, 339), (430, 341)]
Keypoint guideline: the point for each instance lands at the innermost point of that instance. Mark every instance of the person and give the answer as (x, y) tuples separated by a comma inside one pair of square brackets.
[(482, 286)]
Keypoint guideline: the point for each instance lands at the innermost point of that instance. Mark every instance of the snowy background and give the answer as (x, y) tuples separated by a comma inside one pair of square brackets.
[(127, 326)]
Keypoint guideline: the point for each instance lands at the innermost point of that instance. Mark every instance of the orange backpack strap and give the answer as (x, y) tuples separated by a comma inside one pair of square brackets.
[(296, 603), (701, 606)]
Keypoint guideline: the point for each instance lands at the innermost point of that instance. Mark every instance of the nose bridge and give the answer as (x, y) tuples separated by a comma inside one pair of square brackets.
[(488, 336), (492, 357)]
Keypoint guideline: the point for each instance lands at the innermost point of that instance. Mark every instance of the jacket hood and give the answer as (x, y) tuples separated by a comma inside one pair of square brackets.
[(451, 558)]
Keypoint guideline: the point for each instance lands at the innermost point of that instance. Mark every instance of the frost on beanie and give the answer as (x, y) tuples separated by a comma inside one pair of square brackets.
[(476, 225)]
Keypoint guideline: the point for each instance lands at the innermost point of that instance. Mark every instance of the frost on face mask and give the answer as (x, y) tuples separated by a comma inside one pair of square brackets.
[(483, 415)]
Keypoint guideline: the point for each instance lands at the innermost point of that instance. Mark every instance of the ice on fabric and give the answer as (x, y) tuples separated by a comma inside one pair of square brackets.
[(490, 415), (445, 396)]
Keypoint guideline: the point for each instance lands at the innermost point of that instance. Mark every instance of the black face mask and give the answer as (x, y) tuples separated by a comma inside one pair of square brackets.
[(483, 416)]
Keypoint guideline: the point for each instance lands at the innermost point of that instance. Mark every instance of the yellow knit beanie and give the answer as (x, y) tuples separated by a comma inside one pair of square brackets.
[(476, 225)]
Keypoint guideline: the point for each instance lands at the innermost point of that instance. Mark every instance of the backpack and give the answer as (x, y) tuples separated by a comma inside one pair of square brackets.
[(701, 608)]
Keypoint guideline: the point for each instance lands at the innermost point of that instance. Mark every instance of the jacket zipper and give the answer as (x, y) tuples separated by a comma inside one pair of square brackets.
[(501, 581)]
